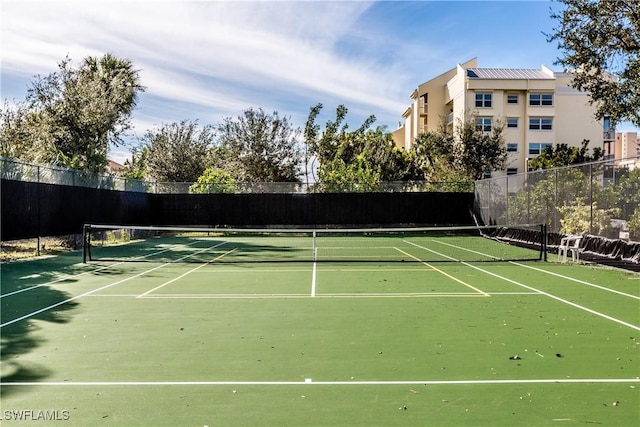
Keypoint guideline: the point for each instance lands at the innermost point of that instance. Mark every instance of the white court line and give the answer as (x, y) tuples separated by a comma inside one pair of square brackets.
[(321, 295), (42, 310), (73, 276), (188, 272), (578, 306), (577, 280), (327, 295), (313, 279), (545, 271), (309, 382)]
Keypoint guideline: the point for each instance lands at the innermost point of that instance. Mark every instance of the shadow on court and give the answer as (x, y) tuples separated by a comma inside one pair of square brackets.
[(19, 337)]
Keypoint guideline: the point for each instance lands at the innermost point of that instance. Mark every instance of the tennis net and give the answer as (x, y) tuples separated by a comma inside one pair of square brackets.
[(222, 245)]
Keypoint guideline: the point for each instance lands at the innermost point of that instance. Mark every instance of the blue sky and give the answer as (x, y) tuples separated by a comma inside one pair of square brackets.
[(207, 60)]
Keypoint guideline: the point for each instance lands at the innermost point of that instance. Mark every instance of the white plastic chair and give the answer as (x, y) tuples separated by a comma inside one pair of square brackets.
[(569, 246)]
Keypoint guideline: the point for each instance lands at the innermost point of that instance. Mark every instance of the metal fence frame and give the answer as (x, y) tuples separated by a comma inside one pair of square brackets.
[(543, 196), (20, 171)]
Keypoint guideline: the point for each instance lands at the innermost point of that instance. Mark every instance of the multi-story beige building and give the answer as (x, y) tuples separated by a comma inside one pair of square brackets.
[(626, 149), (537, 106)]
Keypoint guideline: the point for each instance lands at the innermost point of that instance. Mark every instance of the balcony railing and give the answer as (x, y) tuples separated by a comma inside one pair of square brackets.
[(450, 118)]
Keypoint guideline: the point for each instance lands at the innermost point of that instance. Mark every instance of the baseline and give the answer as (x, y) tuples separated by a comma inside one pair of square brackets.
[(309, 382)]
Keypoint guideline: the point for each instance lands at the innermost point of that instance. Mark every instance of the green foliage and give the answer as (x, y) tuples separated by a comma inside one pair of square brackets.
[(634, 225), (477, 152), (258, 147), (569, 197), (356, 176), (539, 203), (463, 156), (177, 152), (136, 168), (71, 116), (628, 189), (563, 155), (18, 129), (85, 109), (356, 160), (579, 217), (213, 181), (600, 43)]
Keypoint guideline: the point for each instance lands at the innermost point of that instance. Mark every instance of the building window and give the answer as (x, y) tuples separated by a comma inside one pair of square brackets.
[(512, 98), (536, 148), (483, 124), (541, 99), (483, 100), (512, 171), (512, 122), (540, 123), (512, 148)]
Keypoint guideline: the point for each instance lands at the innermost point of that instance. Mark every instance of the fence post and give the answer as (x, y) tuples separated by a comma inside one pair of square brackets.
[(555, 201), (38, 213), (506, 200), (590, 198)]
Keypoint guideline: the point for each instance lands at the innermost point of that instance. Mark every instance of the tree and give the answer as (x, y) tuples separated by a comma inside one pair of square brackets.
[(600, 43), (581, 218), (359, 160), (563, 155), (213, 181), (477, 151), (464, 155), (259, 147), (634, 225), (178, 152), (136, 168), (628, 189), (19, 129), (76, 113)]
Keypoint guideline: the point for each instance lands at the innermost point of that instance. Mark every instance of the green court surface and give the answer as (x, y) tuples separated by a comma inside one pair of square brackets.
[(230, 332)]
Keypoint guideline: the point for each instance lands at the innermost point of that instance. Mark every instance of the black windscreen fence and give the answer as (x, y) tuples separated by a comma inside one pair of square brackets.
[(35, 209)]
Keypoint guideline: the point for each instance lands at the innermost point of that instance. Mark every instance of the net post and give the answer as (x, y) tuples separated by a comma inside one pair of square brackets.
[(314, 247), (86, 236)]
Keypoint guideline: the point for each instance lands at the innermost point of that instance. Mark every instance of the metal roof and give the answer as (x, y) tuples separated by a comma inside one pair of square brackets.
[(507, 74)]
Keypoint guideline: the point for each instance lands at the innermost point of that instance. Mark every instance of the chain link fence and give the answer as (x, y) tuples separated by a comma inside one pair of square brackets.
[(599, 199), (20, 171)]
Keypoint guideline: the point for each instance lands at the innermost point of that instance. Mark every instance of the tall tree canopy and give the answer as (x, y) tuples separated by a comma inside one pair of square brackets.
[(178, 152), (258, 147), (462, 155), (71, 116), (563, 155), (356, 160), (600, 44)]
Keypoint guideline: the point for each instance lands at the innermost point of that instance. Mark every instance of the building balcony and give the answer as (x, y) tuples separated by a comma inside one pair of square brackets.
[(423, 107), (450, 118)]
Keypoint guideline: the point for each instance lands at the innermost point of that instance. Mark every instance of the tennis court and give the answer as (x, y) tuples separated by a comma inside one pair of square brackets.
[(276, 329)]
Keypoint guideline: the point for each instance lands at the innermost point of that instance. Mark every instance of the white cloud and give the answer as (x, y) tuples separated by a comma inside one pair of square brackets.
[(223, 56)]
